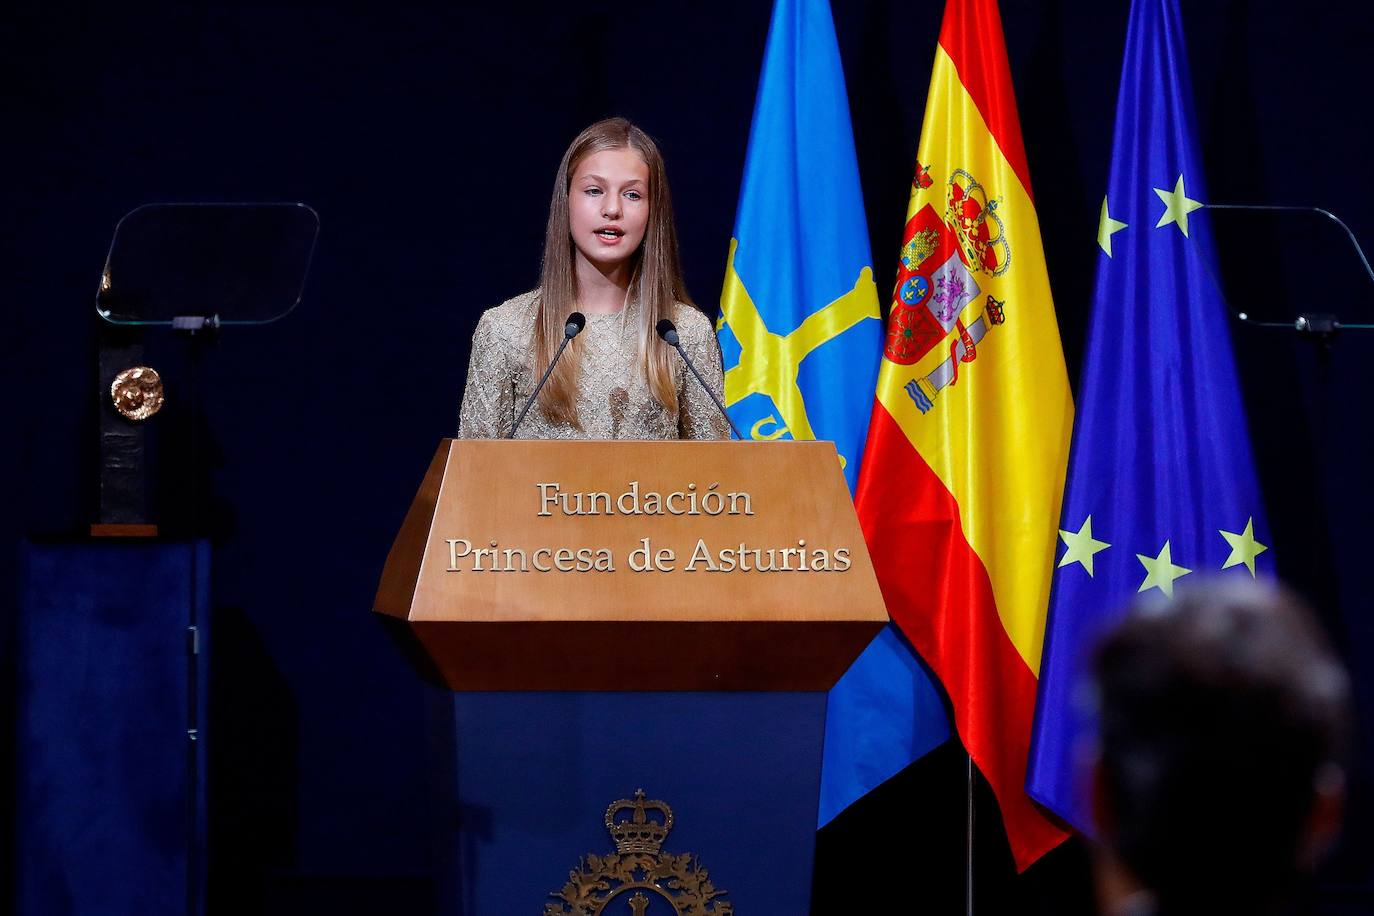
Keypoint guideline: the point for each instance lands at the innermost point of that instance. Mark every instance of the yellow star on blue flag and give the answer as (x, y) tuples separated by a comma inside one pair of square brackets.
[(1161, 456), (1177, 206), (1082, 546), (1161, 571), (1244, 547)]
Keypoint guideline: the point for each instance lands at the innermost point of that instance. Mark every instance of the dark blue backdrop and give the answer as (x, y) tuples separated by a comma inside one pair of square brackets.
[(427, 138)]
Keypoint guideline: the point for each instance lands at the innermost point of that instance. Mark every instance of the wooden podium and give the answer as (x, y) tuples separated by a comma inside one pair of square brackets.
[(612, 616)]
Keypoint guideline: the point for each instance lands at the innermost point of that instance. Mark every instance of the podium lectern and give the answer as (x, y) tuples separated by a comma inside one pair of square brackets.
[(610, 616)]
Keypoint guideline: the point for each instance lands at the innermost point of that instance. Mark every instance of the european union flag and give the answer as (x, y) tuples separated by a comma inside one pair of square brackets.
[(801, 334), (1161, 482)]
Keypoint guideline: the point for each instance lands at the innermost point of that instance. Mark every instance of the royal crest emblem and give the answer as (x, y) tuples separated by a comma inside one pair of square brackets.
[(914, 290), (954, 289), (922, 179), (920, 246), (639, 879), (977, 224), (962, 349), (944, 255), (996, 310), (933, 286)]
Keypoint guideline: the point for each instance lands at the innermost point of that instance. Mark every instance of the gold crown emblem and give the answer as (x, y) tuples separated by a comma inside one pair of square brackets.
[(637, 833)]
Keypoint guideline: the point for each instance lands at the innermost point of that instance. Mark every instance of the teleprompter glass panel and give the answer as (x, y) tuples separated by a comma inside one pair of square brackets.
[(1281, 262), (235, 263)]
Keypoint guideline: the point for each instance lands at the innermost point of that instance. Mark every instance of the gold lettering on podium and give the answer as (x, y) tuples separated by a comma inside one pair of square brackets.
[(691, 500)]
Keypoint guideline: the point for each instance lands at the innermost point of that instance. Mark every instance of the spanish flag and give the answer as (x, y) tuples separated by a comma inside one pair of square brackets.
[(960, 490)]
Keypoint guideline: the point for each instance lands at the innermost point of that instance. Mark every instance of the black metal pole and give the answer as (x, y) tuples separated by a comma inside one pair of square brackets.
[(968, 842), (192, 667)]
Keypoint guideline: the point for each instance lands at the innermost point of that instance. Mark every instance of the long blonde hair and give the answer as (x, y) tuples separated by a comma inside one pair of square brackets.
[(655, 275)]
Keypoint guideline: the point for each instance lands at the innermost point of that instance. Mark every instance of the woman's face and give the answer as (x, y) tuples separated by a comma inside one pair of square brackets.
[(608, 206)]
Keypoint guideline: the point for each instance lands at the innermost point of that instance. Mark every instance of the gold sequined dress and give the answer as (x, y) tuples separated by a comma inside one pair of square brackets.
[(614, 400)]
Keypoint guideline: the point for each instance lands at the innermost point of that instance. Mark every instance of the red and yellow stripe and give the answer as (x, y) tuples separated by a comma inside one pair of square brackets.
[(960, 504)]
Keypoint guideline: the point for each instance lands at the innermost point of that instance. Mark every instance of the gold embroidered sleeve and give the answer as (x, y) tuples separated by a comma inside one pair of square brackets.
[(698, 416), (488, 410)]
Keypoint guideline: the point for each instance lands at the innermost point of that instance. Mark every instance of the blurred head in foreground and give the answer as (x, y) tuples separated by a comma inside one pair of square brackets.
[(1224, 719)]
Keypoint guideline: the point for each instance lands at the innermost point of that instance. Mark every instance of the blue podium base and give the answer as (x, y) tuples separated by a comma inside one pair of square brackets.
[(110, 804), (526, 779)]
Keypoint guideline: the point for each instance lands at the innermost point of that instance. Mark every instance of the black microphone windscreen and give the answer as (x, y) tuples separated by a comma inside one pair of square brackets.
[(668, 331), (576, 322)]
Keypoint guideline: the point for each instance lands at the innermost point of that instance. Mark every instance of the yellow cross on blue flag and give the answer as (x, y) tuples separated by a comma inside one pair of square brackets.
[(802, 336), (1162, 484)]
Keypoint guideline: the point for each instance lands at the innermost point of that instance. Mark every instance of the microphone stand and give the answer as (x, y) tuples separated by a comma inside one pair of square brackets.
[(576, 322), (668, 331)]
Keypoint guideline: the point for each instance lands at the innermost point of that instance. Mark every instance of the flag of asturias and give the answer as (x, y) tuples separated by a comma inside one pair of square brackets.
[(801, 334), (962, 480), (1161, 484)]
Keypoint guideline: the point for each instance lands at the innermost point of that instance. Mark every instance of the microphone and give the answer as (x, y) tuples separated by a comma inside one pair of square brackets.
[(668, 331), (576, 322)]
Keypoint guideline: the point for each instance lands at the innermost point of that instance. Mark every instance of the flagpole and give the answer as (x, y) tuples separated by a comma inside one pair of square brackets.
[(968, 845)]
